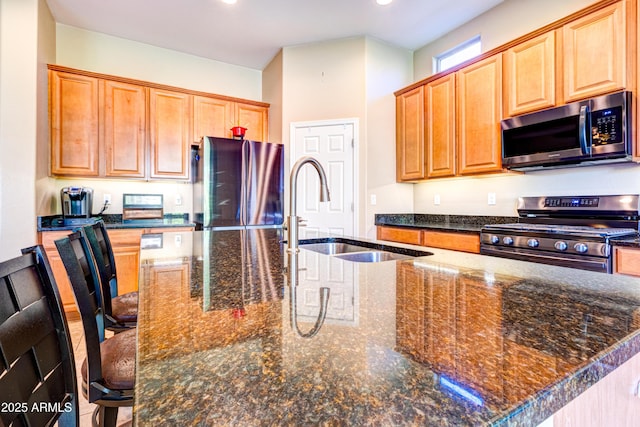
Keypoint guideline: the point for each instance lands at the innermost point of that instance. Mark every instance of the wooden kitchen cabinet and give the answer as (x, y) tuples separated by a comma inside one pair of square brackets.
[(626, 261), (74, 118), (594, 53), (170, 133), (255, 119), (440, 131), (456, 241), (124, 128), (453, 240), (530, 75), (109, 126), (410, 148), (399, 234), (479, 111), (216, 117), (212, 117)]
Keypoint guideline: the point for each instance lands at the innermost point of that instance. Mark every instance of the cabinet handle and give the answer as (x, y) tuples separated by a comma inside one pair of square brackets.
[(636, 391)]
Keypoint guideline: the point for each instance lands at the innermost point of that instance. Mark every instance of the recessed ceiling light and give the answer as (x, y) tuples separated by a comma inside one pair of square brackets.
[(383, 2), (229, 1)]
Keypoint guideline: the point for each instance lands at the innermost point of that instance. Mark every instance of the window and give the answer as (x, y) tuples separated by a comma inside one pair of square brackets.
[(458, 54)]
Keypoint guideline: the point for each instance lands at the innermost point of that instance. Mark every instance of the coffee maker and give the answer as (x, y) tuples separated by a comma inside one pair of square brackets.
[(76, 203)]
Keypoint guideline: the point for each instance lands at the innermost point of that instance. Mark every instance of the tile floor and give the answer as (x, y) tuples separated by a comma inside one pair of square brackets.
[(79, 353)]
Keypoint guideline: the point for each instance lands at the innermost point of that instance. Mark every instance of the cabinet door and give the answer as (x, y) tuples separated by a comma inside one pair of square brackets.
[(74, 124), (128, 268), (440, 111), (255, 119), (410, 152), (594, 53), (479, 111), (124, 128), (529, 75), (170, 133), (212, 117)]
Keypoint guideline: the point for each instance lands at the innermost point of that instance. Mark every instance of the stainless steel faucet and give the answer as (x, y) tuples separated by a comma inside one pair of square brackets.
[(293, 220)]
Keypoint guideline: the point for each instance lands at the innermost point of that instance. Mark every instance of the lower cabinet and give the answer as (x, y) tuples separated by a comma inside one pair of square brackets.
[(626, 261), (126, 250), (457, 241), (613, 401)]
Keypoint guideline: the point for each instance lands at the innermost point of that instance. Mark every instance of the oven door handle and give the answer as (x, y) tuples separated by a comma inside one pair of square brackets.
[(583, 130)]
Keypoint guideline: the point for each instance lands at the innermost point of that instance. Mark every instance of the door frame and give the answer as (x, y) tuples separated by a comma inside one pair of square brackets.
[(355, 122)]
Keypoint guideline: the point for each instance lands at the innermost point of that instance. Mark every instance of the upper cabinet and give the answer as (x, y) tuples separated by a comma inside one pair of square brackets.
[(440, 115), (255, 119), (106, 126), (410, 150), (594, 53), (170, 133), (74, 120), (124, 128), (479, 107), (457, 129), (529, 75), (212, 117), (216, 117)]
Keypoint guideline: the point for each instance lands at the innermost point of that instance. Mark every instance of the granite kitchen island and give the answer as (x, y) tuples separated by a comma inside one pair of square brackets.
[(446, 339)]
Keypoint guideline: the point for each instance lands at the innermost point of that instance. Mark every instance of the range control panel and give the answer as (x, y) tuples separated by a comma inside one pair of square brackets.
[(571, 202)]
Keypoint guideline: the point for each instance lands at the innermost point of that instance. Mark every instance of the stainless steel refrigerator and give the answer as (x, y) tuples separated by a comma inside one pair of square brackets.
[(237, 183)]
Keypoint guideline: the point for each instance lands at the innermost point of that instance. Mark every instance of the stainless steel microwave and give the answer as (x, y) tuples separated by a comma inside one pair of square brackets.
[(583, 132)]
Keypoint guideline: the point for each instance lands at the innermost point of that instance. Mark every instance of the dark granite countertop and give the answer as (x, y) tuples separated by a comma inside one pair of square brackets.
[(460, 223), (55, 222), (447, 339)]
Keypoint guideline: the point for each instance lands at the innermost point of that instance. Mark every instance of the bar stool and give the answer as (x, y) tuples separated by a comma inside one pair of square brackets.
[(38, 382), (108, 372), (120, 311)]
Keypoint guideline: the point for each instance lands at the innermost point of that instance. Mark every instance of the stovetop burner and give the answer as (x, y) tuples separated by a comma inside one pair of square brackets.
[(569, 230)]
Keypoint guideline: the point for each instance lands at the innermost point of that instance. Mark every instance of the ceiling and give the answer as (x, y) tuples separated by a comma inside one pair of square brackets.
[(251, 32)]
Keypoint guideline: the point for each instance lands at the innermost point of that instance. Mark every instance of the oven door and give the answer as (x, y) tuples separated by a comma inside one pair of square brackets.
[(582, 262)]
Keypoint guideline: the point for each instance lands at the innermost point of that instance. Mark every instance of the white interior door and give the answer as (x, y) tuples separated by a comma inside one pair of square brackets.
[(333, 145)]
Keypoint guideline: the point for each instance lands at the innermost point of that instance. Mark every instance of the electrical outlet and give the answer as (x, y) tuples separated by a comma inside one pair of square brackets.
[(436, 199), (178, 200), (374, 199), (491, 198), (178, 240), (107, 199)]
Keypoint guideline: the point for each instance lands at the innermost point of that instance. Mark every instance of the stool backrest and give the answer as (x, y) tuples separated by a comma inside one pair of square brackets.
[(37, 369), (96, 235)]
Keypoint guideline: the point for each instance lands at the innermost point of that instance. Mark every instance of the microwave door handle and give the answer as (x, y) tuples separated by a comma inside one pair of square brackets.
[(583, 130)]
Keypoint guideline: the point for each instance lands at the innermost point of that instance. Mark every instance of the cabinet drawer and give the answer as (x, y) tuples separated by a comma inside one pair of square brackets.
[(626, 261), (48, 238), (400, 235), (464, 242), (125, 237)]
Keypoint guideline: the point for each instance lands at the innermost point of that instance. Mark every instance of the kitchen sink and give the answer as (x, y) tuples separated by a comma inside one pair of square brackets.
[(372, 256), (353, 251), (333, 248)]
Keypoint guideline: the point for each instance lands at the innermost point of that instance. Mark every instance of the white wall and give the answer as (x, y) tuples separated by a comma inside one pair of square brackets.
[(346, 79), (388, 68), (506, 22), (23, 28)]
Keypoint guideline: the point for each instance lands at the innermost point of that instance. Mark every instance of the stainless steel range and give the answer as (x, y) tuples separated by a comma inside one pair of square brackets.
[(567, 231)]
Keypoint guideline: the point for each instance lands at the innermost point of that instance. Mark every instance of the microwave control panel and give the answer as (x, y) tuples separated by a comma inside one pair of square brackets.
[(606, 126)]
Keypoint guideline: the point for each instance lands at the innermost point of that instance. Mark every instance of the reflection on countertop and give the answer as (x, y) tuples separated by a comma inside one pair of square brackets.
[(447, 339)]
